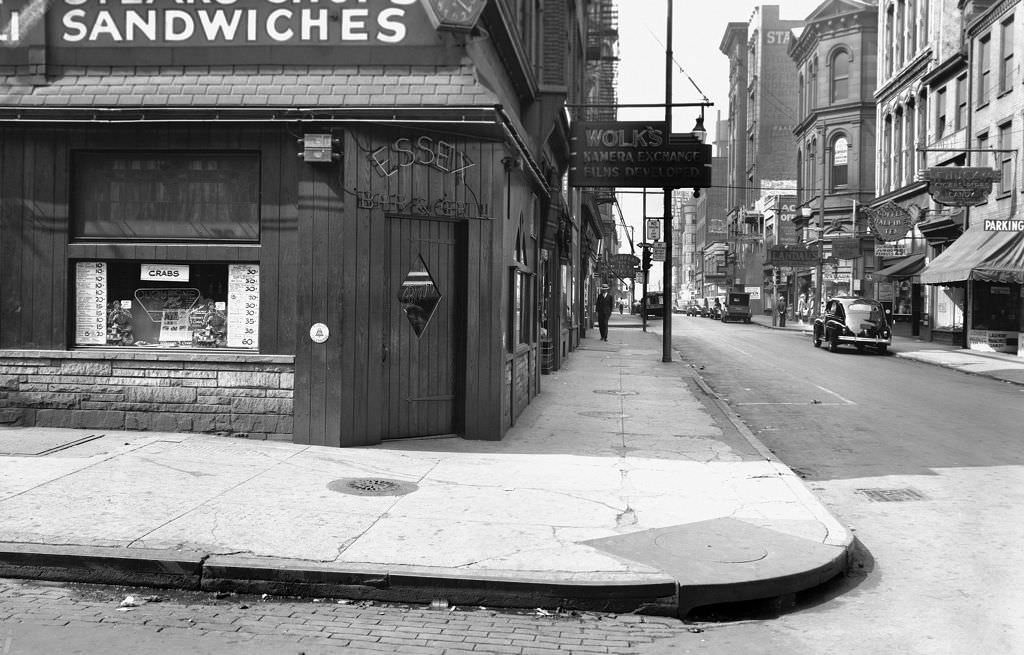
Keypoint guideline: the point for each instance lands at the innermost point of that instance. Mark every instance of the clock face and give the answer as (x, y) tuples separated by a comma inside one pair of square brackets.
[(455, 10)]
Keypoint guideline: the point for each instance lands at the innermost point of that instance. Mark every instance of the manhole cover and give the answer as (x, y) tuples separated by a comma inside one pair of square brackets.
[(615, 392), (892, 495), (614, 415), (372, 486)]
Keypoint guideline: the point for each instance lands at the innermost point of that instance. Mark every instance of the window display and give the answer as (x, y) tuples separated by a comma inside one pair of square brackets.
[(157, 305)]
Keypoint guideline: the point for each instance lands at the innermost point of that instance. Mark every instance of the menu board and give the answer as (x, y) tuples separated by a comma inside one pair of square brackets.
[(243, 305), (90, 303)]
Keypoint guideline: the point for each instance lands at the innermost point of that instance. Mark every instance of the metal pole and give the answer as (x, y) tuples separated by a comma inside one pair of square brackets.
[(643, 296), (819, 292), (666, 321)]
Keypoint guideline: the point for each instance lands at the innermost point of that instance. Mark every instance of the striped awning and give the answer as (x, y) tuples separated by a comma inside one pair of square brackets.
[(980, 256)]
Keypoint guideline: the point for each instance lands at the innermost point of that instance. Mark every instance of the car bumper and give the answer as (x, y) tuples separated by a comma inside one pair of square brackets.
[(868, 341)]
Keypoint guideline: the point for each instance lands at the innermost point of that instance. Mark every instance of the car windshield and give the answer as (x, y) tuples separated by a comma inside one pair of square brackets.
[(864, 312)]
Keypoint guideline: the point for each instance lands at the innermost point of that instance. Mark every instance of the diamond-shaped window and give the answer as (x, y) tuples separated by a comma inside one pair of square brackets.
[(419, 296)]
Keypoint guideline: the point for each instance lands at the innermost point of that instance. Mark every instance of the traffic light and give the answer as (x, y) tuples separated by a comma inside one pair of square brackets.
[(647, 259)]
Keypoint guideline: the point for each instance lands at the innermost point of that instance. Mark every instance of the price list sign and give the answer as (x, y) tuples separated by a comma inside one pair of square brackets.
[(243, 305), (91, 303)]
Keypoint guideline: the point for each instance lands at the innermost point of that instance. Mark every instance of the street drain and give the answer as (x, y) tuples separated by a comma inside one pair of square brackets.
[(892, 495), (615, 392), (371, 486)]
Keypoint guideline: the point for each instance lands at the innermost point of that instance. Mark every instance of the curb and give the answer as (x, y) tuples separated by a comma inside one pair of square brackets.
[(196, 571)]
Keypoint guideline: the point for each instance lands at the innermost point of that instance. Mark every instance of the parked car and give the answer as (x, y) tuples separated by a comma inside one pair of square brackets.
[(737, 307), (692, 308), (855, 321), (652, 304)]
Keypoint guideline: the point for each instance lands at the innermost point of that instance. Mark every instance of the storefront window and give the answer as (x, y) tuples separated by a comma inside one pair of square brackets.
[(996, 307), (949, 308), (161, 305), (166, 196)]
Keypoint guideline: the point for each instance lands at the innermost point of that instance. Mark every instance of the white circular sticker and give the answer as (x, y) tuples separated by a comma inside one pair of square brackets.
[(319, 333)]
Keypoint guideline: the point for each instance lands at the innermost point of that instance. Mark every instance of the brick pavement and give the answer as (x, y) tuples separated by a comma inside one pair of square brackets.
[(329, 624)]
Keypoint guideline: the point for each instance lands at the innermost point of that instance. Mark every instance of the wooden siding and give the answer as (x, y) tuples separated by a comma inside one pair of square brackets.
[(35, 171), (353, 256)]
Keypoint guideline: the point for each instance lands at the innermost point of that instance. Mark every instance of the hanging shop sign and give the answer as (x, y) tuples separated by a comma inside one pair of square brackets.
[(241, 31), (997, 225), (636, 154), (890, 250), (889, 222), (791, 255), (960, 186), (846, 248), (623, 264)]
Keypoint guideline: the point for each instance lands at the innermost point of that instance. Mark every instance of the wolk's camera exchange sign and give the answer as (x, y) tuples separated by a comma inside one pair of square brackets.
[(636, 154)]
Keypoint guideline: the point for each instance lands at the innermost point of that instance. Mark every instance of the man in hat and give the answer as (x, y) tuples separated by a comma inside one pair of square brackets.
[(605, 302)]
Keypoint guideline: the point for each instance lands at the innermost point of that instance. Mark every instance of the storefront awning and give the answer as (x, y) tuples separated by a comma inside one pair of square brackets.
[(981, 256), (902, 267)]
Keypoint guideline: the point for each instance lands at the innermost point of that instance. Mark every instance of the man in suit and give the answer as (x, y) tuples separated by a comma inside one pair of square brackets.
[(605, 302)]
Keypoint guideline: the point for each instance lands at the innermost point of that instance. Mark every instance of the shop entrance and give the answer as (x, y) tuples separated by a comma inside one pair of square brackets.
[(423, 299)]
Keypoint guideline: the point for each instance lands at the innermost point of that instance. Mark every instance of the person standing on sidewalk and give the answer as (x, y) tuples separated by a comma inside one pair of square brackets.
[(605, 303), (780, 307)]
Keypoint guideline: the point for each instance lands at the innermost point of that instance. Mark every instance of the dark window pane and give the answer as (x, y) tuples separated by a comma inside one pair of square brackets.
[(179, 196)]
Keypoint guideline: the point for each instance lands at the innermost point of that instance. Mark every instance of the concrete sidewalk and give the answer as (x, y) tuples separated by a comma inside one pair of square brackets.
[(626, 485)]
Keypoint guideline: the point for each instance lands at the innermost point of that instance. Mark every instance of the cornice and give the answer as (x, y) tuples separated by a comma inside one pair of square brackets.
[(990, 16), (909, 74)]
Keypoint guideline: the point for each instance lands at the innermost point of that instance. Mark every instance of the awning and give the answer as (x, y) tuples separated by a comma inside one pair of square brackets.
[(981, 256), (902, 267)]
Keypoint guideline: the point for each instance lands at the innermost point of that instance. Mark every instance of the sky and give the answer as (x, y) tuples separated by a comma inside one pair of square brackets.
[(700, 69)]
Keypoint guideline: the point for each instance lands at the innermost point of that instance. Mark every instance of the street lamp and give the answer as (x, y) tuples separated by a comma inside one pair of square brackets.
[(806, 213), (698, 130)]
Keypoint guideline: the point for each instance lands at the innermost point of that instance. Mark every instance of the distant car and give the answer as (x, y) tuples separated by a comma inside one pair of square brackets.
[(854, 321), (692, 308), (652, 304), (737, 307)]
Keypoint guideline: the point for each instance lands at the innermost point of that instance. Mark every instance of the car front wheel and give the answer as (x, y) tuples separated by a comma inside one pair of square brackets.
[(833, 345), (816, 340)]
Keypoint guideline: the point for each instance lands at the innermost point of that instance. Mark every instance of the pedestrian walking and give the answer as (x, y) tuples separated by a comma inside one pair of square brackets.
[(780, 307), (605, 302)]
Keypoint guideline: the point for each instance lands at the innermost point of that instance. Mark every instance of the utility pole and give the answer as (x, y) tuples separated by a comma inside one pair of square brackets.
[(666, 324), (819, 296)]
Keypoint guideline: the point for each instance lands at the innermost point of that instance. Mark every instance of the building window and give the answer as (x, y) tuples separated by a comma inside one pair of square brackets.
[(1006, 56), (840, 67), (165, 305), (165, 196), (1005, 158), (940, 113), (898, 150), (890, 15), (912, 32), (900, 31), (814, 82), (802, 99), (983, 145), (887, 154), (840, 159), (984, 68), (960, 118)]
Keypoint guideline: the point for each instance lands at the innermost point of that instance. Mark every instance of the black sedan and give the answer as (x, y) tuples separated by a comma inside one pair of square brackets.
[(855, 321)]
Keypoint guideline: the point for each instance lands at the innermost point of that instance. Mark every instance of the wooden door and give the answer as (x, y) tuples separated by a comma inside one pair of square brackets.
[(422, 301)]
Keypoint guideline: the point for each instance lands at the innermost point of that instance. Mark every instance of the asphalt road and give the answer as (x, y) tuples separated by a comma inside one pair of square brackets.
[(923, 463)]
